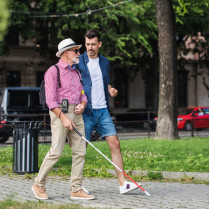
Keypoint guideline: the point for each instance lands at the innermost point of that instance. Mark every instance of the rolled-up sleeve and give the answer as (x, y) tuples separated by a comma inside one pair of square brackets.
[(51, 88), (83, 98)]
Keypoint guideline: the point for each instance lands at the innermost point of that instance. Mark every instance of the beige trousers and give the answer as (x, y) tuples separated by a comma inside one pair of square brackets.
[(76, 143)]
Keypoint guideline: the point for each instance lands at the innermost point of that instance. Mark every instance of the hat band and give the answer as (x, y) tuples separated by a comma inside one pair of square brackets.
[(68, 46)]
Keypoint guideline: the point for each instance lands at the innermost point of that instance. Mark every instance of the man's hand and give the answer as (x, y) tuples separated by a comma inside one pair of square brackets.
[(67, 123), (79, 109), (113, 92)]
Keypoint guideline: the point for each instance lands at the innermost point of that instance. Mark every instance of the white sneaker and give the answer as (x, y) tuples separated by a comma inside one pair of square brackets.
[(127, 187), (85, 190)]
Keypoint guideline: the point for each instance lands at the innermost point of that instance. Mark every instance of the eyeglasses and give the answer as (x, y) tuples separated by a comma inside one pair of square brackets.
[(74, 50)]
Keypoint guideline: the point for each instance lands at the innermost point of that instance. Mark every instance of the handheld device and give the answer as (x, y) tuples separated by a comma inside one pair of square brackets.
[(65, 105)]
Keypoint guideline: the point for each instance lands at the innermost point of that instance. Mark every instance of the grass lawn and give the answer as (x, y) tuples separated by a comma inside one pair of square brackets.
[(188, 155), (11, 204)]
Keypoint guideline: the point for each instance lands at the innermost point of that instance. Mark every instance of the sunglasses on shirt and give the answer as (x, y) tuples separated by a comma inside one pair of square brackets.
[(74, 50)]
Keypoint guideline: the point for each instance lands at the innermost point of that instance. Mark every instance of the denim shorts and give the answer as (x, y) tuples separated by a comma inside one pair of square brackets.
[(101, 121)]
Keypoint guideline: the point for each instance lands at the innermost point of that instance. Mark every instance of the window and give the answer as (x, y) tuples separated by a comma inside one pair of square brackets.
[(13, 78), (18, 99), (150, 85), (121, 83), (39, 78), (182, 88), (35, 103), (206, 111), (12, 37)]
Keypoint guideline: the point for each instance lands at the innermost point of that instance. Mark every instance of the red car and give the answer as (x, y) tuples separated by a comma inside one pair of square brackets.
[(196, 117)]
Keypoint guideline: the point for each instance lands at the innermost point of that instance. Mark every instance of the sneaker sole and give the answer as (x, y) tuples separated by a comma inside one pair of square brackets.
[(40, 198), (131, 189), (82, 198)]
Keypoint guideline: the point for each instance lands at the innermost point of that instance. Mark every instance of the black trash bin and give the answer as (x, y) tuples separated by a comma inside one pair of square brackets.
[(25, 147)]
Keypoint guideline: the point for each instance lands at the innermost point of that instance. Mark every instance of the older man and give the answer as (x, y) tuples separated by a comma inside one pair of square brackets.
[(66, 102)]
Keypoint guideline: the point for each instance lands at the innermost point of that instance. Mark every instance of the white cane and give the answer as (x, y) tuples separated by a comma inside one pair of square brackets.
[(111, 162)]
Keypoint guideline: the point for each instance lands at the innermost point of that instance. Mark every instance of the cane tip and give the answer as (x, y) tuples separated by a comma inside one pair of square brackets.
[(147, 194)]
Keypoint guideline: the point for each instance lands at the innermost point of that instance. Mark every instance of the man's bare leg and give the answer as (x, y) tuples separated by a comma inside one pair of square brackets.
[(116, 155)]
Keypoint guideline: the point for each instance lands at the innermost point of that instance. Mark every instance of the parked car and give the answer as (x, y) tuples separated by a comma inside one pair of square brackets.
[(192, 118), (19, 104)]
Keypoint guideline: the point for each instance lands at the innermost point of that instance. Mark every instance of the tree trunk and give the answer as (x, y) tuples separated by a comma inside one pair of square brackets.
[(167, 110)]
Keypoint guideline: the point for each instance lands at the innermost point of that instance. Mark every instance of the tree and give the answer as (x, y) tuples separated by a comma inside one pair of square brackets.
[(167, 110), (4, 15)]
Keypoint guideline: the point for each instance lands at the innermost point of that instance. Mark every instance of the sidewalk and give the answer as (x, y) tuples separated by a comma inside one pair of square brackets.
[(163, 195)]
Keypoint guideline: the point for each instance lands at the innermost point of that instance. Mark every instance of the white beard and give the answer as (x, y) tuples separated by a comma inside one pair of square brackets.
[(76, 61)]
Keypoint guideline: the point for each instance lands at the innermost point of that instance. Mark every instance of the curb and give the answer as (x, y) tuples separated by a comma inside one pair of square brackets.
[(167, 174)]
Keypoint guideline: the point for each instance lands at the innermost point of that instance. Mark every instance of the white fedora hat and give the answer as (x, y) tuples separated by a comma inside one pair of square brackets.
[(65, 45)]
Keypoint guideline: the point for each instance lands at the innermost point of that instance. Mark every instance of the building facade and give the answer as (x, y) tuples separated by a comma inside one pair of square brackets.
[(24, 66)]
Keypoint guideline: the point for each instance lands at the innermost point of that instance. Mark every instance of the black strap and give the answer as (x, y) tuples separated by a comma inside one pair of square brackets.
[(58, 76), (79, 76)]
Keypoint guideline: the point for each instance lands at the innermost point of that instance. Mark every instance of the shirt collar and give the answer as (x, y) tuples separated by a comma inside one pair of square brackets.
[(73, 67)]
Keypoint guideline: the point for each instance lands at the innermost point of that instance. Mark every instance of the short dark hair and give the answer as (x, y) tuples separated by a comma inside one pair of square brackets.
[(91, 34)]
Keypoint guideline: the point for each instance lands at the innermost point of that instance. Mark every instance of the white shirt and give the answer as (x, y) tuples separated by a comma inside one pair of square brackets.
[(97, 90)]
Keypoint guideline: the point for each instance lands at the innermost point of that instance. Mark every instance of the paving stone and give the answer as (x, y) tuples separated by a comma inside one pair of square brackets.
[(163, 195)]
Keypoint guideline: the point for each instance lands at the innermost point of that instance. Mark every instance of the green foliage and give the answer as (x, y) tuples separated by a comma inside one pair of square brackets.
[(124, 28), (192, 17), (155, 175), (4, 15), (90, 171), (129, 31), (10, 203)]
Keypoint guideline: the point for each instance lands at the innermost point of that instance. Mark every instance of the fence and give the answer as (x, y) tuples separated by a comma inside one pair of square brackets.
[(7, 121), (126, 127)]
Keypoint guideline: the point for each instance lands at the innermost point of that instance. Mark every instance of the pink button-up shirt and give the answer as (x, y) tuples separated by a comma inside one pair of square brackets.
[(71, 86)]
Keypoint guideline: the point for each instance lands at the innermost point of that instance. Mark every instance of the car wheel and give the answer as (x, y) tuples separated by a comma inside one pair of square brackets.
[(3, 137), (188, 126)]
